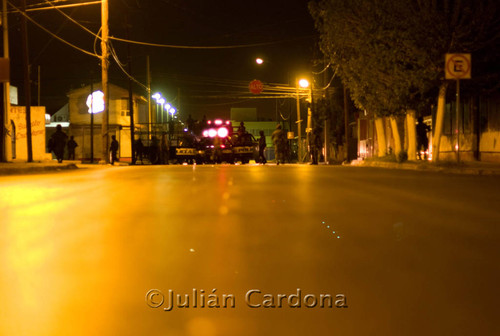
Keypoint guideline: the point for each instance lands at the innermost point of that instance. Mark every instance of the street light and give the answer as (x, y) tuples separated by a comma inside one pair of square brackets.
[(259, 61), (301, 84), (304, 83)]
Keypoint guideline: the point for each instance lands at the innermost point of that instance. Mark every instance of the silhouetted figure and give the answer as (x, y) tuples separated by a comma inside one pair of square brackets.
[(422, 140), (139, 150), (262, 147), (190, 123), (164, 149), (315, 145), (241, 132), (114, 149), (279, 142), (154, 150), (71, 148), (57, 143)]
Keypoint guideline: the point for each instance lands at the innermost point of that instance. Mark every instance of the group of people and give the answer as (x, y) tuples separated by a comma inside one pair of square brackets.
[(58, 142)]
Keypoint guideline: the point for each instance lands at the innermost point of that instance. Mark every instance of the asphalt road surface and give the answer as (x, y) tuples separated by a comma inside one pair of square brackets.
[(249, 250)]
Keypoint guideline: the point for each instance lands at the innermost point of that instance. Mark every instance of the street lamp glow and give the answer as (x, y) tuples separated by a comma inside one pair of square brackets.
[(304, 83), (167, 106), (259, 60), (95, 102), (156, 96), (172, 111)]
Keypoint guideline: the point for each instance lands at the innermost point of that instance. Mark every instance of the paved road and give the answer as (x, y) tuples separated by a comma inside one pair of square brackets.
[(400, 252)]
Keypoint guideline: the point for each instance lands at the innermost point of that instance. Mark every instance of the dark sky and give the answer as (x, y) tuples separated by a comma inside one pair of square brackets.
[(284, 29)]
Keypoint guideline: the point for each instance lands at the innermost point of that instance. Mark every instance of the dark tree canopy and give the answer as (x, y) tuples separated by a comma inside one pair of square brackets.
[(390, 53)]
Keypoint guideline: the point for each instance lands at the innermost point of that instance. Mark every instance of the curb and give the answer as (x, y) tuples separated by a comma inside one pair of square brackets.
[(33, 169), (429, 167)]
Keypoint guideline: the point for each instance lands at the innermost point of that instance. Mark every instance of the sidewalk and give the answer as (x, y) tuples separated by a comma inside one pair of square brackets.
[(16, 168), (471, 168)]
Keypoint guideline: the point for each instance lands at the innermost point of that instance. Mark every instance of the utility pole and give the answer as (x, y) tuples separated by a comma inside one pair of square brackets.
[(27, 84), (4, 120), (91, 118), (131, 100), (104, 65), (346, 124), (299, 121), (150, 113)]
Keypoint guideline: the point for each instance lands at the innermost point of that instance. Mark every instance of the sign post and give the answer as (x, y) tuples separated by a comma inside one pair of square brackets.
[(458, 66)]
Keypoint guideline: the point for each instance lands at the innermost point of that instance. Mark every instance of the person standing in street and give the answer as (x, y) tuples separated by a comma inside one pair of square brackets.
[(57, 143), (315, 145), (71, 148), (262, 147), (279, 142), (422, 140), (165, 148), (114, 149)]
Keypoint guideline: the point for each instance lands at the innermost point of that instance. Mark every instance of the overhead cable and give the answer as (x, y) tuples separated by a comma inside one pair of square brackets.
[(199, 47), (72, 20), (52, 34)]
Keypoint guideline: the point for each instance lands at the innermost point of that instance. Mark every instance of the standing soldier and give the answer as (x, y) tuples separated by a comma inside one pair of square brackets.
[(262, 147), (279, 142), (57, 143), (114, 149), (315, 145), (71, 148), (422, 140), (164, 148)]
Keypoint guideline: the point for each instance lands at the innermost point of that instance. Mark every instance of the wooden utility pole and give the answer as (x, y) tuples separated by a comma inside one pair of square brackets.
[(4, 120), (27, 84), (131, 101), (104, 65), (299, 121)]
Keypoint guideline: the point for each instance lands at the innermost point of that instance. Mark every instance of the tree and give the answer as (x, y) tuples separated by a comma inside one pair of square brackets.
[(391, 53)]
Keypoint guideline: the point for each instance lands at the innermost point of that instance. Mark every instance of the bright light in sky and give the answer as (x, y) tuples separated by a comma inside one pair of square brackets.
[(304, 83), (259, 61), (95, 102)]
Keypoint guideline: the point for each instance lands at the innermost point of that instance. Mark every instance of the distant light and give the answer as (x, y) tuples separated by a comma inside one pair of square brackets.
[(218, 122), (222, 132), (228, 122), (205, 133), (304, 83), (161, 101), (167, 106), (172, 111), (259, 60), (209, 122), (185, 130), (212, 132), (156, 96), (95, 102)]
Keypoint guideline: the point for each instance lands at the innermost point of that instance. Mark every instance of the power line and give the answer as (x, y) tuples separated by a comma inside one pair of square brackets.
[(203, 47), (72, 20), (52, 34)]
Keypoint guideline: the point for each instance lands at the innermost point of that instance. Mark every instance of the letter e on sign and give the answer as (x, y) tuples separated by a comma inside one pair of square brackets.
[(458, 66)]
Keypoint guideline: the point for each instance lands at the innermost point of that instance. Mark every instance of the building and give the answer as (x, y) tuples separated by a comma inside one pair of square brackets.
[(479, 129), (79, 120)]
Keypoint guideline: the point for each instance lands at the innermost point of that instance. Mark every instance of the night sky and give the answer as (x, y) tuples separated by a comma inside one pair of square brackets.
[(283, 29)]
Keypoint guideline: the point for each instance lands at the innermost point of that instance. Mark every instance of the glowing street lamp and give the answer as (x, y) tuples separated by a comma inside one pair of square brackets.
[(259, 61), (301, 84), (304, 83)]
